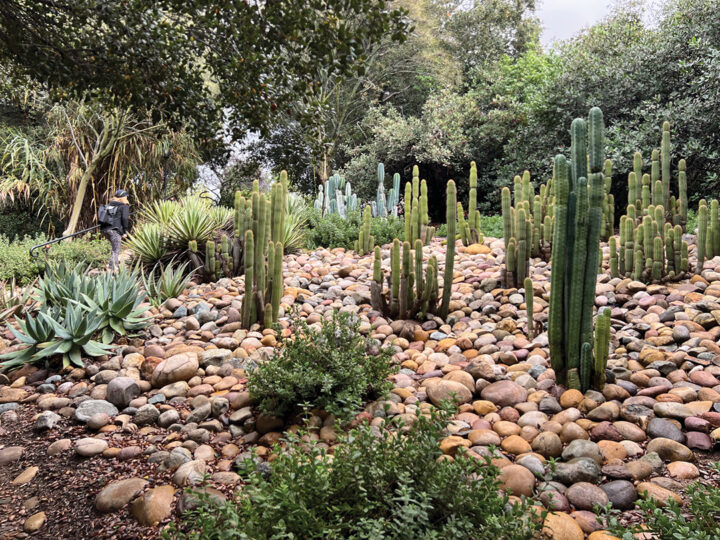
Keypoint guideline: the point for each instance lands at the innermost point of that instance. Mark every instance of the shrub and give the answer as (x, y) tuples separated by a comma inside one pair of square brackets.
[(375, 485), (492, 226), (90, 250), (333, 230), (166, 282), (671, 522), (330, 368)]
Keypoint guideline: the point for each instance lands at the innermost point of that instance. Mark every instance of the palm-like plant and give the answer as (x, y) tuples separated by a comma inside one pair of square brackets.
[(33, 332), (73, 336), (166, 282)]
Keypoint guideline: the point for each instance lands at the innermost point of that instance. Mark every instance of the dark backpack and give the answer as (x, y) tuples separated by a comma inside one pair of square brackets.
[(109, 215)]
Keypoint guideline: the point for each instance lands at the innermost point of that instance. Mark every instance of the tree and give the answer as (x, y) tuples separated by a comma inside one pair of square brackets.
[(194, 61)]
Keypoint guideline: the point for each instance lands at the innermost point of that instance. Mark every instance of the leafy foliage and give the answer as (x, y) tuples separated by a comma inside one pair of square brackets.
[(331, 368), (372, 486), (333, 230), (14, 300), (671, 521), (17, 263)]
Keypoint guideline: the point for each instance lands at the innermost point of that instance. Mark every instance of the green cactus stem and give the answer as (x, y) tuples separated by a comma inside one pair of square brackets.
[(451, 214), (528, 286)]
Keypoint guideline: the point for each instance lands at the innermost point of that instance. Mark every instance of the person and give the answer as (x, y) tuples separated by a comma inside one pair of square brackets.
[(114, 224)]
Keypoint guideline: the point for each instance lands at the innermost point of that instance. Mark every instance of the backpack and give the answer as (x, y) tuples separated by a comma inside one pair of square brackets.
[(108, 215)]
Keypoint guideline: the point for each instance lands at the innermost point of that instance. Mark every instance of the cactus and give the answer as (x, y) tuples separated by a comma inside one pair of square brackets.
[(665, 164), (470, 230), (365, 242), (528, 286), (380, 199), (417, 221), (702, 230), (451, 213), (575, 257), (682, 193)]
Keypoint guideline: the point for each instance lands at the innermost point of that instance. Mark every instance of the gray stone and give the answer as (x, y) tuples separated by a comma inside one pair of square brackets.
[(659, 427), (214, 357), (93, 406), (46, 420), (621, 493), (122, 390), (168, 418), (577, 470), (200, 413), (147, 414), (583, 448)]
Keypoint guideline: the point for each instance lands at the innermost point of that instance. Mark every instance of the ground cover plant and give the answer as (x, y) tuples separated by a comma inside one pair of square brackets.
[(333, 368), (372, 486)]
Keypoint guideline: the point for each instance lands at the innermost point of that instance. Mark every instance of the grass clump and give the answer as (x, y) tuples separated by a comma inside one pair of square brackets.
[(333, 368), (375, 485)]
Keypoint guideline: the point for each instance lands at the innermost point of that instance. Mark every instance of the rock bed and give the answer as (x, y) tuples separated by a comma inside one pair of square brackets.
[(169, 409)]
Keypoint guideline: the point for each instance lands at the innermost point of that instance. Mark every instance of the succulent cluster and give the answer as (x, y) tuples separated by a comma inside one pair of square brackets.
[(413, 286), (386, 205), (339, 198), (365, 242), (575, 256), (417, 221), (708, 232)]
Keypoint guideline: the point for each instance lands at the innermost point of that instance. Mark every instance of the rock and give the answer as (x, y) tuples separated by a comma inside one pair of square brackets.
[(660, 494), (517, 480), (189, 473), (661, 428), (11, 395), (168, 418), (180, 367), (121, 391), (58, 447), (154, 506), (147, 414), (214, 357), (200, 413), (34, 523), (560, 526), (582, 448), (670, 450), (116, 495), (10, 454), (46, 420), (585, 496), (577, 470), (26, 476), (547, 444), (670, 409), (98, 421), (449, 390), (89, 446), (94, 406), (621, 494), (682, 470), (504, 393)]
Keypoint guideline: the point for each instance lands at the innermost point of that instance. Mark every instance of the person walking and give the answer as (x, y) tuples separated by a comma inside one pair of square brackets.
[(113, 220)]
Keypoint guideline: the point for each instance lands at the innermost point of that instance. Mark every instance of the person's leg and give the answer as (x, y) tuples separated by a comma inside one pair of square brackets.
[(115, 243)]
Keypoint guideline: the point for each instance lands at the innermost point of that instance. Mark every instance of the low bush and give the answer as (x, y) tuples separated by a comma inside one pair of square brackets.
[(332, 230), (492, 226), (332, 368), (16, 262), (698, 522), (374, 485)]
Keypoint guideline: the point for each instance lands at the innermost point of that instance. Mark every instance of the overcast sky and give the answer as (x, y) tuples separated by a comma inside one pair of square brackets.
[(562, 19)]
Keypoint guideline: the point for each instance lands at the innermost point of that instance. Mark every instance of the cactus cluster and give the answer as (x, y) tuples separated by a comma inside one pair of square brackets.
[(654, 189), (365, 242), (337, 197), (413, 287), (417, 221), (577, 357), (386, 205), (608, 222), (650, 249), (708, 232), (470, 232), (255, 249), (528, 286), (527, 226)]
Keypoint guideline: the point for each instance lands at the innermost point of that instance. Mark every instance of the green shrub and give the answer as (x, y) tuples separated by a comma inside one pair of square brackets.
[(492, 226), (330, 368), (375, 485), (16, 262), (698, 522), (163, 282), (332, 230)]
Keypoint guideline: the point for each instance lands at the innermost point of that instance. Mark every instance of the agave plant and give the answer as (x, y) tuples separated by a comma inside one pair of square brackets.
[(159, 212), (221, 215), (148, 243), (117, 302), (14, 300), (166, 282), (73, 336), (61, 282), (296, 219), (193, 222), (33, 333)]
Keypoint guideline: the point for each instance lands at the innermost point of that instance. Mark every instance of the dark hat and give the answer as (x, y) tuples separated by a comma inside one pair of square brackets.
[(121, 193)]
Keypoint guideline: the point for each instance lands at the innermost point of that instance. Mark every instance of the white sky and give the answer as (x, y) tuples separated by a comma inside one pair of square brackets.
[(562, 19)]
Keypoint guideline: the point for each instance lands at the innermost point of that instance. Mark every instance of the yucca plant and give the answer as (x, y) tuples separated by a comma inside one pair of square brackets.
[(295, 226), (221, 215), (13, 299), (33, 332), (193, 222), (117, 302), (159, 212), (148, 243), (73, 336), (162, 283)]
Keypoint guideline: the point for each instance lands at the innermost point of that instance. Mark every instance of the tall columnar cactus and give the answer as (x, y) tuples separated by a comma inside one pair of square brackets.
[(576, 243), (702, 230), (365, 242), (417, 221), (470, 230), (608, 221), (380, 208), (336, 197), (528, 286), (450, 214), (682, 194)]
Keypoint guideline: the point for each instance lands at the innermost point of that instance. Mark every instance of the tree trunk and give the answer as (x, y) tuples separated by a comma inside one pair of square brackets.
[(80, 198)]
